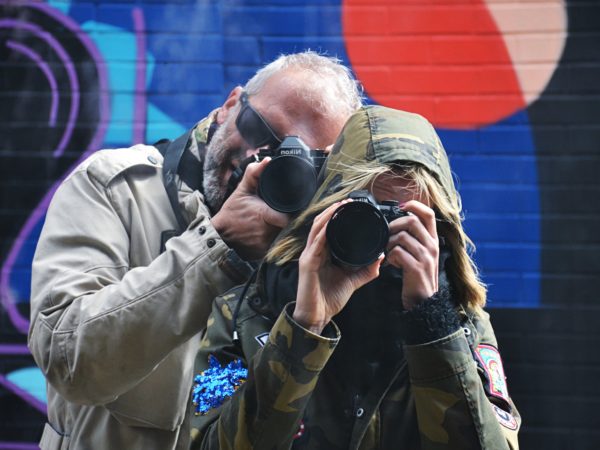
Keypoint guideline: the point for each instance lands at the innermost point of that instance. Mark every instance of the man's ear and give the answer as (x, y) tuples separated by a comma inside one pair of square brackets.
[(231, 101)]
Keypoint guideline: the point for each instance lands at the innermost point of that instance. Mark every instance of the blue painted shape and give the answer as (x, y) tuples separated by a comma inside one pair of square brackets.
[(170, 17), (508, 257), (497, 173), (297, 21), (514, 290), (190, 107), (181, 56), (31, 380), (333, 46), (504, 138), (283, 3), (237, 75), (82, 11), (494, 168), (116, 15), (207, 79), (500, 227), (499, 199), (19, 279), (459, 142), (185, 48), (242, 50)]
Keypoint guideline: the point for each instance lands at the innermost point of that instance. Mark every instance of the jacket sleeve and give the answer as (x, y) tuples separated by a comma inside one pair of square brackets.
[(266, 410), (455, 408), (98, 327)]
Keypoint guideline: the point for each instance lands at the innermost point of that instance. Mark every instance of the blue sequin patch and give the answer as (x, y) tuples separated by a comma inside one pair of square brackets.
[(216, 384)]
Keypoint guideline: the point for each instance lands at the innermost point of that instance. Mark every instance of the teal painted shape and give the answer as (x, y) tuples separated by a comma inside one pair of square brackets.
[(119, 50), (63, 6), (161, 125), (31, 380)]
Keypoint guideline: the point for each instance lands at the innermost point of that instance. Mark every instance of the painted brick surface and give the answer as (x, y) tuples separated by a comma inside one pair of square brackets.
[(512, 87)]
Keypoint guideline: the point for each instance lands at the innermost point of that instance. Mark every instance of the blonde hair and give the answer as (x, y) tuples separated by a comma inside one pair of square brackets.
[(462, 272)]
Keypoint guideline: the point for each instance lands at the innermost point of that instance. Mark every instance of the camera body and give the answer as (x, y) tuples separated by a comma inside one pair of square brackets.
[(358, 231), (289, 181)]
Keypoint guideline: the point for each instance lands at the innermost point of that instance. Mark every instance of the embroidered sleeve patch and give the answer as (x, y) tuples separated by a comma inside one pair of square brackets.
[(489, 360), (505, 419), (262, 339)]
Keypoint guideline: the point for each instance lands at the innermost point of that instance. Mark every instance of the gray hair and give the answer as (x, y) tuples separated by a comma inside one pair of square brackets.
[(332, 88)]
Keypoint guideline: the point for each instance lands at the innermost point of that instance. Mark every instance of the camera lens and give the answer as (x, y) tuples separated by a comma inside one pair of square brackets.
[(287, 184), (357, 233)]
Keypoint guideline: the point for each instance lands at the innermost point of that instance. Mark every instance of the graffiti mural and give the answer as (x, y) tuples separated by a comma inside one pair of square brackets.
[(509, 85), (55, 107)]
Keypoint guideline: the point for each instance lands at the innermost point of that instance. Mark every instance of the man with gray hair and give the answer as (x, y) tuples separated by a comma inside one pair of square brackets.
[(136, 244)]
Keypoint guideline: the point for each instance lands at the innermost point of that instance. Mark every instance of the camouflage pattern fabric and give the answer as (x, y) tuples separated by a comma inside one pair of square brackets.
[(430, 396), (432, 399), (387, 136)]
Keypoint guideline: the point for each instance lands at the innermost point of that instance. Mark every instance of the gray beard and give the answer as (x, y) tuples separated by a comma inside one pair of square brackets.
[(214, 185)]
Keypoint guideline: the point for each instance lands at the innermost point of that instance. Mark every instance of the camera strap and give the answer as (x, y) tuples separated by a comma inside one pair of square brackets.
[(178, 161), (238, 174)]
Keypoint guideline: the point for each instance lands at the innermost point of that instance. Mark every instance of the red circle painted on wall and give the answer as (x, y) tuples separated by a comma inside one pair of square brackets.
[(462, 64)]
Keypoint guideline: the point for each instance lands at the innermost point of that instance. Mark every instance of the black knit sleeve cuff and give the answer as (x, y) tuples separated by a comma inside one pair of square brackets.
[(431, 320)]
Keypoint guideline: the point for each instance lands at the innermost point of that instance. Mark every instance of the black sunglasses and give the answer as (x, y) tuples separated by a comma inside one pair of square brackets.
[(253, 127)]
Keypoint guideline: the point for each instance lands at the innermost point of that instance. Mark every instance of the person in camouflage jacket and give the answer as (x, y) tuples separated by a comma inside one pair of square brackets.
[(396, 354)]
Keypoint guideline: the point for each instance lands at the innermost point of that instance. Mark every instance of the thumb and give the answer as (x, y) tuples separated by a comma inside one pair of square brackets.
[(369, 273), (275, 218), (249, 182)]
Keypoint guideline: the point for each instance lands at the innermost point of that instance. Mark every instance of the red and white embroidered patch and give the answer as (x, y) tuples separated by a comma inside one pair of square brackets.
[(490, 361), (505, 419)]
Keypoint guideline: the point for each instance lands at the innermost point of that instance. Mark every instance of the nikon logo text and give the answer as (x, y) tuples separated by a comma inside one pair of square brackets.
[(292, 151)]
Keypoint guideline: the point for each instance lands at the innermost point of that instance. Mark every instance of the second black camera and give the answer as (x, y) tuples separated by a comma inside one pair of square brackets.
[(358, 231)]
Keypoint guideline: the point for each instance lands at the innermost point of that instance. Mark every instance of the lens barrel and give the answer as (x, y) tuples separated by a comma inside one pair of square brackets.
[(357, 234), (288, 183)]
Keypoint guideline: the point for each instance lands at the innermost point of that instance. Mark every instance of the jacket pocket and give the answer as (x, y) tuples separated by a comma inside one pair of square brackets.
[(161, 399)]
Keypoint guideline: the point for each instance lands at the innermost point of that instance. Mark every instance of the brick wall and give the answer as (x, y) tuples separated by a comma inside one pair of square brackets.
[(552, 366), (512, 87)]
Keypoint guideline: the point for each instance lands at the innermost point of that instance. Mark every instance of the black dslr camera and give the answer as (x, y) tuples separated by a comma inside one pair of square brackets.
[(289, 181), (358, 231)]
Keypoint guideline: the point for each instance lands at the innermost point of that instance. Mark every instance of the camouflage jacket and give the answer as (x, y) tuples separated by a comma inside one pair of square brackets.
[(358, 385), (445, 394)]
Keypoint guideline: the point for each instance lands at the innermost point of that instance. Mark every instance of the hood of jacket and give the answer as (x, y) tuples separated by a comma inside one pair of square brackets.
[(388, 136)]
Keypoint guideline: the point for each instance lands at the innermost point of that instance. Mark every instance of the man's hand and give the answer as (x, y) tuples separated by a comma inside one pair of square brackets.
[(245, 222)]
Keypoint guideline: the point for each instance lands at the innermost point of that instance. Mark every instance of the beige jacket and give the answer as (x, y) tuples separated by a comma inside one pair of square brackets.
[(115, 323)]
